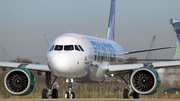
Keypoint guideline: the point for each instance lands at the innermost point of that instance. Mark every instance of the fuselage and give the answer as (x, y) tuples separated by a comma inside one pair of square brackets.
[(74, 55)]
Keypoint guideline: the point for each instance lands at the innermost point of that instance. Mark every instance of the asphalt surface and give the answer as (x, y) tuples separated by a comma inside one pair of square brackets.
[(90, 99)]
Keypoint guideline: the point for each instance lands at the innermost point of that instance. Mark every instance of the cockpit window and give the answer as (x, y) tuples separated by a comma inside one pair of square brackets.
[(68, 47), (81, 48), (58, 47), (51, 48), (77, 48)]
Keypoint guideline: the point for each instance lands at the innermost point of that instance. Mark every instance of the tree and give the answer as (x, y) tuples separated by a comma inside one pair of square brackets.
[(23, 60), (131, 60)]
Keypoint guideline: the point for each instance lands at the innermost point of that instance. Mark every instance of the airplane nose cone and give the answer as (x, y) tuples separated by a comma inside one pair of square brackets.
[(61, 63)]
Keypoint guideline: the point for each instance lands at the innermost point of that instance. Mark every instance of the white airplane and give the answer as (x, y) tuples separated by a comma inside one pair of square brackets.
[(81, 58)]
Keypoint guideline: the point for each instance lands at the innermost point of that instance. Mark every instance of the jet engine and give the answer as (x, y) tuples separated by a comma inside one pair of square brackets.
[(19, 81), (145, 81)]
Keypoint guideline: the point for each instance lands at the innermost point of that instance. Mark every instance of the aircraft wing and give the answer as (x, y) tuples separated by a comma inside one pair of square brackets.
[(145, 50), (39, 67), (155, 65)]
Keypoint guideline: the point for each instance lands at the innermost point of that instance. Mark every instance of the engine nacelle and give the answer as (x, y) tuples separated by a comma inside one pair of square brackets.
[(145, 81), (19, 81)]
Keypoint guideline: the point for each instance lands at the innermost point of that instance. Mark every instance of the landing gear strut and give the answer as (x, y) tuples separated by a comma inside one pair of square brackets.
[(48, 92), (127, 93), (69, 94)]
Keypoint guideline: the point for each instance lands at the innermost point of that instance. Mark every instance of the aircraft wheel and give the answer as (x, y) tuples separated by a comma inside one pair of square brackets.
[(55, 93), (44, 94), (135, 95), (72, 95), (125, 94), (66, 96)]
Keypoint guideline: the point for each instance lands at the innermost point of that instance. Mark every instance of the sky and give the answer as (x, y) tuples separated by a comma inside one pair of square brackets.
[(23, 24)]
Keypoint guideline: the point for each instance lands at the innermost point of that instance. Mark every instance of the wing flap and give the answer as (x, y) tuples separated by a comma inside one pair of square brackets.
[(145, 50), (39, 67), (122, 67), (9, 64), (166, 64), (156, 65)]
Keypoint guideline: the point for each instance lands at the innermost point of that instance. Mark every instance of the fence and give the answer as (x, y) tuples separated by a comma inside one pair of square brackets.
[(90, 92)]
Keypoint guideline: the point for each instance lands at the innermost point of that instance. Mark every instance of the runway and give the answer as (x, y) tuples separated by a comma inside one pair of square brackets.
[(89, 99)]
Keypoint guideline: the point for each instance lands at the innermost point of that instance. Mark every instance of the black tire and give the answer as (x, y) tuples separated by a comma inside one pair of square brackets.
[(55, 93), (73, 95), (125, 94), (135, 95), (44, 93), (66, 95)]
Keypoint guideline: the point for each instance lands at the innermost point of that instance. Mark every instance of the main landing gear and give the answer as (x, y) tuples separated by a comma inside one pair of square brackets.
[(54, 93), (127, 93), (48, 92), (69, 94)]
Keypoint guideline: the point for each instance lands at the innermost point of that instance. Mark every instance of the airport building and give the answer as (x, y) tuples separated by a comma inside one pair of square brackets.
[(172, 76), (176, 25)]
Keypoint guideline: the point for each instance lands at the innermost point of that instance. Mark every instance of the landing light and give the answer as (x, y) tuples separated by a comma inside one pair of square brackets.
[(72, 80), (67, 80)]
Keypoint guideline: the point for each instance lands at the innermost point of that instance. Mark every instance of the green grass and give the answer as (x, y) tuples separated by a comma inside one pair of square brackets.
[(86, 92)]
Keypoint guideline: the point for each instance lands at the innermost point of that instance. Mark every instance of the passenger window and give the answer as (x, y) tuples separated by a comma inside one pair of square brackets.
[(51, 48), (76, 48), (59, 47), (68, 47), (81, 48)]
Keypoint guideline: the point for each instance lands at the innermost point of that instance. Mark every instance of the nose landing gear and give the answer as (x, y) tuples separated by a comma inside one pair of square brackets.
[(69, 94)]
